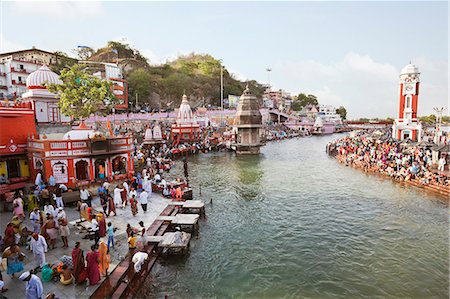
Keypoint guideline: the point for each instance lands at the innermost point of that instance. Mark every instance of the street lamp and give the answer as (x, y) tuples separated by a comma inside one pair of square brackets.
[(437, 131)]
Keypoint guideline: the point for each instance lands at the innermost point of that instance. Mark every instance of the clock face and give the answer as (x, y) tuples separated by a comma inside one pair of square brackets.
[(408, 87)]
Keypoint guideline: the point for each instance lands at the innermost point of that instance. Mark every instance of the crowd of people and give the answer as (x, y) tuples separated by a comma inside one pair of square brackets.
[(45, 210), (400, 160)]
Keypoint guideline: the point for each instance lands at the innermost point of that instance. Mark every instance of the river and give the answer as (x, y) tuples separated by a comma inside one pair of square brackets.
[(294, 223)]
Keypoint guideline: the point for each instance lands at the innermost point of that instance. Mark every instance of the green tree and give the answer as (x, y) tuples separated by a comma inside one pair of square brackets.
[(304, 99), (139, 82), (342, 112), (84, 53), (296, 105), (82, 94)]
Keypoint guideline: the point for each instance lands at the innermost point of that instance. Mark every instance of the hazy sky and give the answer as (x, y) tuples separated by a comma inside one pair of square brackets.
[(346, 53)]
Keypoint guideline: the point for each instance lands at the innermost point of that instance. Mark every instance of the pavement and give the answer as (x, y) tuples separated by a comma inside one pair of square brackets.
[(17, 288)]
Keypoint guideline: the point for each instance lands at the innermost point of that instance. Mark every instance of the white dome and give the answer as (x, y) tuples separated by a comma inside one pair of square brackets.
[(185, 115), (410, 69), (43, 75), (78, 134)]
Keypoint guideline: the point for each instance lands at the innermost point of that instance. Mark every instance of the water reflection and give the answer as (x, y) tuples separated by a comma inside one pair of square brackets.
[(293, 223)]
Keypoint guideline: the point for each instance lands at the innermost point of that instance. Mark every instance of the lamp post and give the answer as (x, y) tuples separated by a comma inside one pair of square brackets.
[(437, 132)]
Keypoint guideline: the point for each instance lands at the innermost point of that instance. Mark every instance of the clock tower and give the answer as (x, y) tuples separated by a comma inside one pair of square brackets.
[(407, 125)]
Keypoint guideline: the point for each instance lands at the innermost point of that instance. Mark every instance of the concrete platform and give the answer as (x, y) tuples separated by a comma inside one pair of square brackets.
[(17, 288)]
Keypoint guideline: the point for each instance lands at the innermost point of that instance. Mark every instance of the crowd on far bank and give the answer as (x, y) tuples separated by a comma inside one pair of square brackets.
[(399, 160)]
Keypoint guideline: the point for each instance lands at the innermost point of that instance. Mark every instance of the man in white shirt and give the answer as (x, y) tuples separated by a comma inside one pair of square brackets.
[(35, 218), (39, 248), (143, 200), (106, 185), (441, 164), (95, 228), (85, 195)]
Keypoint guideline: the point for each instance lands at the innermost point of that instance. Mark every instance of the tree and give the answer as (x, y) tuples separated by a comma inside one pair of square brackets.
[(304, 100), (81, 94), (342, 112), (84, 53), (139, 82)]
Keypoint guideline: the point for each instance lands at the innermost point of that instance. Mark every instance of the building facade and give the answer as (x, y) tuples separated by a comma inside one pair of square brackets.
[(407, 124), (81, 157), (16, 126), (113, 73), (15, 67)]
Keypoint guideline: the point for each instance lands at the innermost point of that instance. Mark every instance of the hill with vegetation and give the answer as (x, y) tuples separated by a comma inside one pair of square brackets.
[(196, 75)]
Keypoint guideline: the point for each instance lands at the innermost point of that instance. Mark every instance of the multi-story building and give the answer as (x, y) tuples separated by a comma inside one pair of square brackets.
[(15, 67), (279, 98), (111, 72), (328, 114)]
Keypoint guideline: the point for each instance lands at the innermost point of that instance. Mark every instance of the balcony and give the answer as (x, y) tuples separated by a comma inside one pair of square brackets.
[(18, 83), (21, 71)]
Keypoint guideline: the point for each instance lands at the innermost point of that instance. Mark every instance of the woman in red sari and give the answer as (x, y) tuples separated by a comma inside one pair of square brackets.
[(111, 205), (101, 224), (10, 238), (79, 268), (93, 270)]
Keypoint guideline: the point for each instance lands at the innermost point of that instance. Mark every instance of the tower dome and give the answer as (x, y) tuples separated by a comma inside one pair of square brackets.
[(43, 75), (185, 115), (409, 69)]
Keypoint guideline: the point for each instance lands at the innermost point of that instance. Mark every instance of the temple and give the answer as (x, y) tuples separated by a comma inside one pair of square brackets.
[(81, 157), (186, 128), (248, 124)]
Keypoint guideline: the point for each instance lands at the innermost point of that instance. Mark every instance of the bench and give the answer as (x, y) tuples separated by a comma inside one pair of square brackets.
[(71, 197)]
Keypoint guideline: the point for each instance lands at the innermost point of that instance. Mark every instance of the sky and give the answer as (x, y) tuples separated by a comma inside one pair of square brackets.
[(346, 53)]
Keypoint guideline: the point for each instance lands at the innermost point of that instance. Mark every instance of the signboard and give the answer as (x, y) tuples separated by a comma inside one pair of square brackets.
[(58, 153), (60, 171)]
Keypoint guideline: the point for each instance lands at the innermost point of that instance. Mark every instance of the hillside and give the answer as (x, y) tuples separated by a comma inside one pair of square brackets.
[(197, 75)]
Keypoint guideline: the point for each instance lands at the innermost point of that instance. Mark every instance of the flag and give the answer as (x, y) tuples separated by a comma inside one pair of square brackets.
[(115, 51), (83, 47)]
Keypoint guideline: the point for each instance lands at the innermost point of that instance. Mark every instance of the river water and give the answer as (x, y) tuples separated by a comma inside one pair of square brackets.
[(294, 223)]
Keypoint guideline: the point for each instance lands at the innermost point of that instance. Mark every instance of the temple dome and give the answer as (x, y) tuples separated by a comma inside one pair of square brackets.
[(82, 132), (410, 69), (43, 75), (185, 115)]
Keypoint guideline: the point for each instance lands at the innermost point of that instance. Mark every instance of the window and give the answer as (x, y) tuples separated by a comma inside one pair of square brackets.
[(21, 66), (53, 114), (20, 79), (13, 168), (408, 101)]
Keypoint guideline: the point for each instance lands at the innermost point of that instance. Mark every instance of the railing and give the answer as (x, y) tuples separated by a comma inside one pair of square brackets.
[(13, 69)]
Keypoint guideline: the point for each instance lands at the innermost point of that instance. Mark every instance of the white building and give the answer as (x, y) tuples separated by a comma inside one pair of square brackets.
[(45, 103), (328, 114), (15, 67)]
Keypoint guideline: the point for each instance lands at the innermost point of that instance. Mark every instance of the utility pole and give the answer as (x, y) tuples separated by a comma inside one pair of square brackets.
[(438, 132), (221, 85), (137, 101)]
